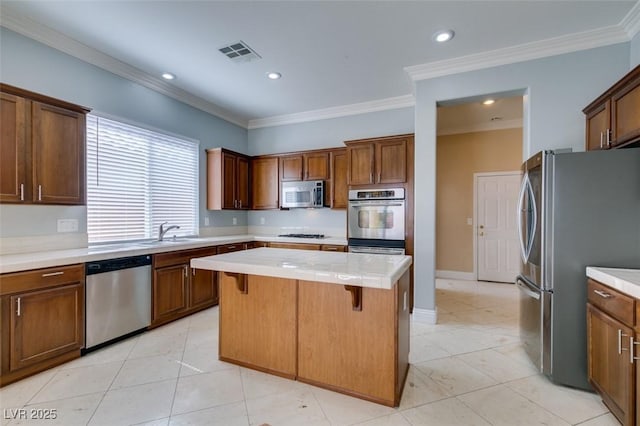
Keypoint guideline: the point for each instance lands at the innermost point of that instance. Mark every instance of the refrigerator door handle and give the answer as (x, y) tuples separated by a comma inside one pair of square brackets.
[(534, 226), (523, 189), (522, 286)]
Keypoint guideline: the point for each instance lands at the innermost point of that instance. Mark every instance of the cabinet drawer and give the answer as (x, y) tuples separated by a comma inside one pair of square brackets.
[(231, 247), (611, 301), (41, 278), (179, 257), (333, 247), (297, 246)]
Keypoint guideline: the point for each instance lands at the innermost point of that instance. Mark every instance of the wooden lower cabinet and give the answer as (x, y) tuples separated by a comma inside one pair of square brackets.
[(610, 372), (610, 335), (258, 322), (169, 292), (178, 290), (42, 320)]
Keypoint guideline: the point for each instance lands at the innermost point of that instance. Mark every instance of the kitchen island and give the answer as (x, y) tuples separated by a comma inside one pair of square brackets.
[(335, 320)]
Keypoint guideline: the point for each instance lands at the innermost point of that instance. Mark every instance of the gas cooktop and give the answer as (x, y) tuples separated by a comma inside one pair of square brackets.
[(302, 235)]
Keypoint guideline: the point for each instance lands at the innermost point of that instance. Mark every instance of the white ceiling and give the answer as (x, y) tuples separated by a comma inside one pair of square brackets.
[(330, 54)]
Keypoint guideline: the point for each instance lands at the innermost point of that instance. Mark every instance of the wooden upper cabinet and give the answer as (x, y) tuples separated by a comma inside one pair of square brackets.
[(228, 180), (391, 161), (304, 166), (13, 161), (598, 124), (264, 183), (43, 149), (613, 119), (361, 164), (316, 166), (242, 183), (58, 149), (291, 168), (377, 161), (339, 188)]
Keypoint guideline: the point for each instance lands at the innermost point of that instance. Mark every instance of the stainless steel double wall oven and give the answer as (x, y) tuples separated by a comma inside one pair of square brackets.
[(376, 220)]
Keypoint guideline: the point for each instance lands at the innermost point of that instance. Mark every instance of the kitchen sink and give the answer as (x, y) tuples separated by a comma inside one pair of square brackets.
[(179, 240)]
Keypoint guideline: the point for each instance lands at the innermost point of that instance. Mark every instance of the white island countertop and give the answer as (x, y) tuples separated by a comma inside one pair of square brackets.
[(358, 269), (626, 281)]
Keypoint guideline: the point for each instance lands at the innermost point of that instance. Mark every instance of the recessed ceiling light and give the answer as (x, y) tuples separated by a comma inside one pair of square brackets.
[(488, 102), (168, 76), (274, 75), (442, 36)]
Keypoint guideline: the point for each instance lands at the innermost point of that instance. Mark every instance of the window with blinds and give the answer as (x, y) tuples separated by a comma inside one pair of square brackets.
[(138, 179)]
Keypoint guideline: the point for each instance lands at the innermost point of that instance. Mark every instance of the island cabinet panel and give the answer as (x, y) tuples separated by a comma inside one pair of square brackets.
[(258, 322), (340, 346)]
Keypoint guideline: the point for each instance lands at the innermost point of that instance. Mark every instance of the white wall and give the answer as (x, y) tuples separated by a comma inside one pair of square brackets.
[(316, 135), (33, 66), (557, 88)]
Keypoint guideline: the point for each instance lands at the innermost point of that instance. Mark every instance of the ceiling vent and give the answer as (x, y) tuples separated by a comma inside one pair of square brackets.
[(239, 52)]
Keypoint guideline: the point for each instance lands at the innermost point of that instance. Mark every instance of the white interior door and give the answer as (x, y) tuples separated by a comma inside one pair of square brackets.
[(497, 230)]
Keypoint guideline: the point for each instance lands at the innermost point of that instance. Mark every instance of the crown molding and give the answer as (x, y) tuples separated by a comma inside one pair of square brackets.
[(61, 42), (482, 127), (405, 101), (631, 22), (523, 52)]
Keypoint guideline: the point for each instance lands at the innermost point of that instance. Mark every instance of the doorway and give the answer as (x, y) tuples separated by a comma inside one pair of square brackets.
[(473, 138), (496, 238)]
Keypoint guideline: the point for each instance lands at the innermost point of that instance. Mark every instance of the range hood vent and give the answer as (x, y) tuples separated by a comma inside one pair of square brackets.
[(239, 52)]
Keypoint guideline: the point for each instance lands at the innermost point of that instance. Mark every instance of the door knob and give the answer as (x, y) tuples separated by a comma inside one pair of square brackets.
[(481, 226)]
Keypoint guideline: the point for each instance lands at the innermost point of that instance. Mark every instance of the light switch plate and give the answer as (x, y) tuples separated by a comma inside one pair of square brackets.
[(206, 221), (469, 221), (262, 221), (235, 220), (67, 225)]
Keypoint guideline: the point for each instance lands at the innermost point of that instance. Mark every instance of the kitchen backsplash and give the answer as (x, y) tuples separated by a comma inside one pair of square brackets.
[(332, 223)]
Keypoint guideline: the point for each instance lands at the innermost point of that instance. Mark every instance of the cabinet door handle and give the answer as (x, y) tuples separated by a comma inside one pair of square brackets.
[(601, 139), (53, 274), (620, 348), (608, 138), (240, 203), (193, 271), (602, 294), (371, 177), (22, 192), (186, 271), (19, 310), (631, 347), (379, 176), (39, 192)]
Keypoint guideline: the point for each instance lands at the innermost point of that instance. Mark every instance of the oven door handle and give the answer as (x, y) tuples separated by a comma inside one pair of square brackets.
[(526, 289), (357, 206)]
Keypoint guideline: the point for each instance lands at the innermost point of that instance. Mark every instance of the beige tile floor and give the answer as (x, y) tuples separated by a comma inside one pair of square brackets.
[(469, 369)]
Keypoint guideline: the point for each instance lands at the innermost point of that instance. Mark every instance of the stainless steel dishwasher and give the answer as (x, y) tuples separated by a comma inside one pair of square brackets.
[(118, 298)]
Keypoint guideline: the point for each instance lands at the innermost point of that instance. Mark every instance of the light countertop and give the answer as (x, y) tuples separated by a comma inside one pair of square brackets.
[(364, 270), (626, 281), (52, 258)]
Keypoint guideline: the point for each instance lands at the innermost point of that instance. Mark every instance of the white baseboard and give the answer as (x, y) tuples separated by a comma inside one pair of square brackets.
[(456, 275), (426, 316)]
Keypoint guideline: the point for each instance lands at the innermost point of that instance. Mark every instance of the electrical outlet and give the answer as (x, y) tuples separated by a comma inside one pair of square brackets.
[(469, 221), (206, 221), (262, 221), (67, 225), (235, 220)]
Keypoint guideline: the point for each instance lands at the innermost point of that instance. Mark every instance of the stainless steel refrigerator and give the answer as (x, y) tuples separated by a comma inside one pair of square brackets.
[(576, 209)]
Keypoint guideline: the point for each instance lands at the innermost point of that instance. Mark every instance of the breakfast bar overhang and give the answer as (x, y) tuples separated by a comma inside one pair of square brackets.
[(335, 320)]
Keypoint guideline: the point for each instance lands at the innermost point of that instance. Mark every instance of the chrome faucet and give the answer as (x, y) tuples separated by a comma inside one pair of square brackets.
[(163, 231)]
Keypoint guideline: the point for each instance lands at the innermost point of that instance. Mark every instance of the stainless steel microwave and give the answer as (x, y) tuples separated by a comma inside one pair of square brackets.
[(302, 194)]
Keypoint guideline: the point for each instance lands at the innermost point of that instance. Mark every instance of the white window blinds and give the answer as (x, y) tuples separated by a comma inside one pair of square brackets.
[(138, 179)]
